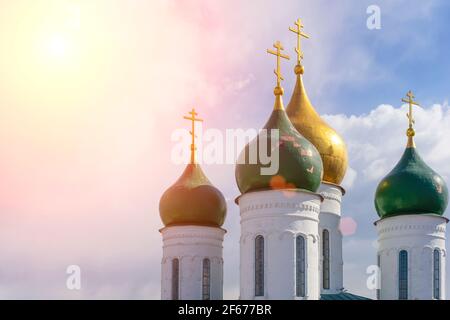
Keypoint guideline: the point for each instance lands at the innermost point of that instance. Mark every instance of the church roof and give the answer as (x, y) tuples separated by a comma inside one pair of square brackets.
[(412, 187), (192, 199), (328, 142), (299, 162), (299, 167), (342, 296), (308, 122)]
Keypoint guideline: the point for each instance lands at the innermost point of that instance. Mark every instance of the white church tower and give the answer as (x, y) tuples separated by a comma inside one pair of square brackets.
[(333, 152), (410, 201), (279, 211), (192, 211)]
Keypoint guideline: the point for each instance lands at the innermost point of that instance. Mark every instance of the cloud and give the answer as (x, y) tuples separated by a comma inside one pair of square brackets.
[(350, 178)]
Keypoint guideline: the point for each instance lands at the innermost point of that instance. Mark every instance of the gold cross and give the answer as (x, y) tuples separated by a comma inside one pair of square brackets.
[(193, 119), (279, 55), (300, 34), (411, 103)]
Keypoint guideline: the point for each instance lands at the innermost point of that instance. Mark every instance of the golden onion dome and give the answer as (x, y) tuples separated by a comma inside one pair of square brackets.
[(327, 141), (193, 200)]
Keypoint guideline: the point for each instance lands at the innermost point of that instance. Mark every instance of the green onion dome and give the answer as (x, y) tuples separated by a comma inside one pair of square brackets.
[(193, 200), (412, 187), (299, 162)]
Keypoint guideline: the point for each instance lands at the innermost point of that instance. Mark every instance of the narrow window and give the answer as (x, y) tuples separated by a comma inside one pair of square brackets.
[(403, 275), (326, 259), (436, 274), (259, 266), (206, 281), (175, 279), (300, 266), (378, 276)]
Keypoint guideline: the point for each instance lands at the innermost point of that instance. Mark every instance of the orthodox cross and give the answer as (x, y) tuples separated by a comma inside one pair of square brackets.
[(298, 31), (410, 101), (279, 55), (193, 119)]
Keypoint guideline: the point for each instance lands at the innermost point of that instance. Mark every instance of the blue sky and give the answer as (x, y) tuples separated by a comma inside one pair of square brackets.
[(410, 48), (363, 68)]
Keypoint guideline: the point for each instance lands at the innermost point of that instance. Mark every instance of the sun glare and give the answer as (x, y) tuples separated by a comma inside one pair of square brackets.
[(58, 46)]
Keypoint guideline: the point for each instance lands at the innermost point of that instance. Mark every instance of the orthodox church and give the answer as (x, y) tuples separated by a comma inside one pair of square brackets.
[(290, 238)]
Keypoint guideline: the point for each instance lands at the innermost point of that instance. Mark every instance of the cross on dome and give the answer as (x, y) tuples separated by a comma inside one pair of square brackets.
[(193, 119), (300, 34), (410, 131), (277, 45), (410, 101)]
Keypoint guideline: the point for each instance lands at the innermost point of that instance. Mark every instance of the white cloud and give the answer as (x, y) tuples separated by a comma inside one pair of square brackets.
[(376, 140), (349, 179)]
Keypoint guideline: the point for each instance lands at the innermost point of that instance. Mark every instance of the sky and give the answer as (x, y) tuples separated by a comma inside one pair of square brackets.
[(91, 92)]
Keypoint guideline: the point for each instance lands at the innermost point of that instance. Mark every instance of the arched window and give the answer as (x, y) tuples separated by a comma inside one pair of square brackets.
[(403, 275), (378, 277), (175, 279), (206, 279), (259, 266), (300, 267), (326, 259), (436, 274)]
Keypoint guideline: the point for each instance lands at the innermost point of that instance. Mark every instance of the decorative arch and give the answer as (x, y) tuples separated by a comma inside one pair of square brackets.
[(289, 233)]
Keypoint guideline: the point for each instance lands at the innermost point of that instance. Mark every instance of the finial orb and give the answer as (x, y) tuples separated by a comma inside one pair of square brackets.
[(410, 132), (278, 91), (299, 69)]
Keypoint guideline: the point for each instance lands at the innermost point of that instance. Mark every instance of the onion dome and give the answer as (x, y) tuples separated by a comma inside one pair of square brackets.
[(307, 121), (412, 187), (193, 200), (298, 165)]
